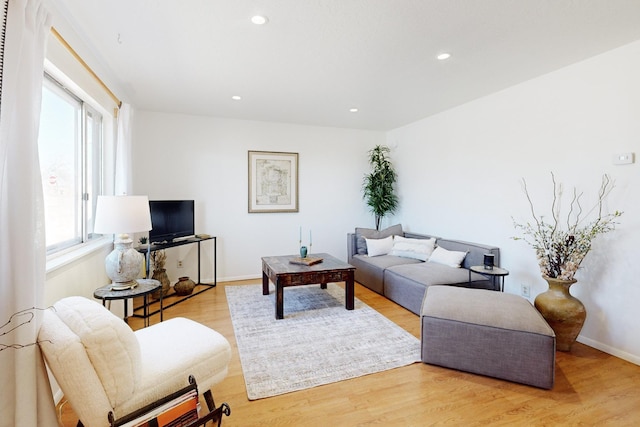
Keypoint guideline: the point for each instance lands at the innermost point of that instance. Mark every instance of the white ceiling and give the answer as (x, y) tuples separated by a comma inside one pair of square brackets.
[(316, 59)]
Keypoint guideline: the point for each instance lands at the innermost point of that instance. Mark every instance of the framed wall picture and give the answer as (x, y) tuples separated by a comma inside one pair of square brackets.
[(273, 182)]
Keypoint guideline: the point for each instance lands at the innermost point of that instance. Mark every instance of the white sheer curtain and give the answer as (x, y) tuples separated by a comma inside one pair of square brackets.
[(124, 167), (25, 395)]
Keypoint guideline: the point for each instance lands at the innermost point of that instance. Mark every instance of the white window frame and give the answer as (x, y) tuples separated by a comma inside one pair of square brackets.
[(68, 255)]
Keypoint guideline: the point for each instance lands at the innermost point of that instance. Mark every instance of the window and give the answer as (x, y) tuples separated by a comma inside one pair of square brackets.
[(70, 149)]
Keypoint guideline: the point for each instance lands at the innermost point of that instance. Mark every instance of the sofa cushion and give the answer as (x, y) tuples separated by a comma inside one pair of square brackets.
[(69, 362), (370, 233), (419, 249), (475, 251), (203, 350), (370, 270), (109, 342), (429, 274), (406, 284), (377, 247), (451, 258)]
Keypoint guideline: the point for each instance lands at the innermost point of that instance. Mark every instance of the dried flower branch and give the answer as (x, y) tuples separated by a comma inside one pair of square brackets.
[(560, 252), (16, 320), (158, 258)]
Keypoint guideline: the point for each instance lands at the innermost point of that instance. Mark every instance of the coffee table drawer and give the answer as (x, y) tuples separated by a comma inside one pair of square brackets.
[(312, 278)]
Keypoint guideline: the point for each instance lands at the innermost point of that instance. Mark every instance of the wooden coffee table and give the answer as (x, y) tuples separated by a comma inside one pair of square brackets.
[(283, 273)]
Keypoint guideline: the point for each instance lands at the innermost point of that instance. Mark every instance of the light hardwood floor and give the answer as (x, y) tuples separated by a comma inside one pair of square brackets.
[(591, 388)]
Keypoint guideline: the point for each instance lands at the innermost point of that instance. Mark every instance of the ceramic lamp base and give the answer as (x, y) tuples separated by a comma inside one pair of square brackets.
[(123, 264), (123, 286)]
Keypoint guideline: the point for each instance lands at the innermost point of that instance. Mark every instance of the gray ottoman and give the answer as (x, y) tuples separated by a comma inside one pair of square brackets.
[(488, 333)]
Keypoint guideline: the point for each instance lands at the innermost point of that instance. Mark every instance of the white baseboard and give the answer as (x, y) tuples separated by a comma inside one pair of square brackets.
[(610, 350)]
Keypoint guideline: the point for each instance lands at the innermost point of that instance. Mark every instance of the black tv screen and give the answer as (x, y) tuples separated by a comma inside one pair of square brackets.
[(171, 219)]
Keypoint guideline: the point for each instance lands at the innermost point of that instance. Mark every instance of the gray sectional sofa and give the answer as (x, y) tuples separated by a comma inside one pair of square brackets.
[(405, 280)]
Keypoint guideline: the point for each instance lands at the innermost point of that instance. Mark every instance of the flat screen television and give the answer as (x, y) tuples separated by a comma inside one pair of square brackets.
[(171, 219)]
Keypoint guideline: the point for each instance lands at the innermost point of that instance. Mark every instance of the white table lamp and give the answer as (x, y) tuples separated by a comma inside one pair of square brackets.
[(121, 215)]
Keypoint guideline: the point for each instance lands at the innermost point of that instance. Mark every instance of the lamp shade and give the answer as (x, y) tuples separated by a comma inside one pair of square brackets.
[(122, 214)]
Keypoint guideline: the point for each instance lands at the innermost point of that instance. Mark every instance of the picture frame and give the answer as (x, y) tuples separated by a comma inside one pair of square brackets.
[(273, 182)]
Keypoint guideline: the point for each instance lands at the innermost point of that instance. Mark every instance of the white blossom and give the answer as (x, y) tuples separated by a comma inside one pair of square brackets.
[(561, 251)]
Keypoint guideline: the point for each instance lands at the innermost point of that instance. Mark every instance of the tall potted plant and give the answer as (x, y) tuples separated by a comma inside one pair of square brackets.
[(377, 187), (561, 246)]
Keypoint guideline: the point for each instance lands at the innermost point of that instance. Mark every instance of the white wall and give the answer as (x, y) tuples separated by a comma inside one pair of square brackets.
[(203, 158), (79, 277), (460, 175)]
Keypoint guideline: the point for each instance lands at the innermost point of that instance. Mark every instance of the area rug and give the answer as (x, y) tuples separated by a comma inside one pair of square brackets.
[(318, 341)]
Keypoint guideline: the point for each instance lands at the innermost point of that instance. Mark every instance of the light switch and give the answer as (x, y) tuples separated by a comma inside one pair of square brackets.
[(623, 158)]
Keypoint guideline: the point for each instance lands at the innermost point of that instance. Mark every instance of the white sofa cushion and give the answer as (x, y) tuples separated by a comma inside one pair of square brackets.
[(420, 249), (68, 361), (109, 342), (370, 233), (446, 257), (377, 247)]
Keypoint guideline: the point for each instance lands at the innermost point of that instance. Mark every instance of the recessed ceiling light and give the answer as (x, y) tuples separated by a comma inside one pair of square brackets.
[(443, 56), (236, 98), (259, 19), (353, 110)]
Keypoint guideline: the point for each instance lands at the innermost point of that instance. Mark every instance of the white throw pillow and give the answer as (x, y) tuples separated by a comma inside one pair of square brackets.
[(413, 248), (377, 247), (450, 258)]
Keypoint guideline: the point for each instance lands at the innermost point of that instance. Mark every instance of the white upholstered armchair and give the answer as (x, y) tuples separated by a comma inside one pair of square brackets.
[(103, 366)]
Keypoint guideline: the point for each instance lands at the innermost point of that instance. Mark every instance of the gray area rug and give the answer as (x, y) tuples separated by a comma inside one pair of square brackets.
[(318, 341)]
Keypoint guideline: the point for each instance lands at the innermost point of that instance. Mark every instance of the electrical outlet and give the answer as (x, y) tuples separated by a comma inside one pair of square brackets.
[(524, 290), (180, 264)]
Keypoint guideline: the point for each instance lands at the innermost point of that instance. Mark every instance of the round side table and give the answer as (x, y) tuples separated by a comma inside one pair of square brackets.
[(144, 288), (496, 273)]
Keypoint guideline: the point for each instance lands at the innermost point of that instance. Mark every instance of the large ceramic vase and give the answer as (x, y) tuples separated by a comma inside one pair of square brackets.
[(161, 276), (562, 311)]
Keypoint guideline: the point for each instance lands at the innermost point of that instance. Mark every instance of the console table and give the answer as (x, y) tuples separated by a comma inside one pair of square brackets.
[(146, 251)]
